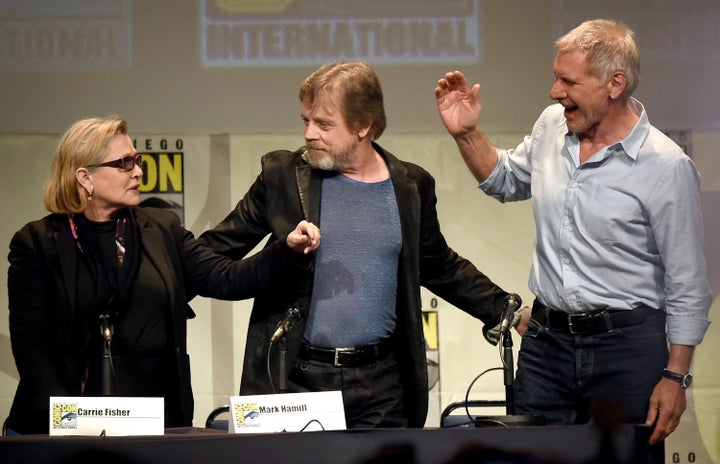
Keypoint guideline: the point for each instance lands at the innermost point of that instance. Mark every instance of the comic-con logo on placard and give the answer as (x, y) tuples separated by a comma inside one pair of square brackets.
[(64, 416), (247, 415)]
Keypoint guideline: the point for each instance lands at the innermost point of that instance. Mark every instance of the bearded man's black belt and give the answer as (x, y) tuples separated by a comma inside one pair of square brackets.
[(347, 357)]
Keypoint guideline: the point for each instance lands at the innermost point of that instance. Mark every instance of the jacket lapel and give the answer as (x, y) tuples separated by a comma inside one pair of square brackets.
[(406, 194), (309, 185), (153, 242)]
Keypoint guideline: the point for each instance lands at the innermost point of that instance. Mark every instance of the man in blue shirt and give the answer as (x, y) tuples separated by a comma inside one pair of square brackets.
[(358, 311), (618, 266)]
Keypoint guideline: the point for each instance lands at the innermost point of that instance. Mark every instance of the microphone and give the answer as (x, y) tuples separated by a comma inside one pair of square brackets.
[(285, 325), (106, 328), (512, 303)]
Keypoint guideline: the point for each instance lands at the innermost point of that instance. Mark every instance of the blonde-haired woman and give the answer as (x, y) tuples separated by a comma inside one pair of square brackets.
[(100, 265)]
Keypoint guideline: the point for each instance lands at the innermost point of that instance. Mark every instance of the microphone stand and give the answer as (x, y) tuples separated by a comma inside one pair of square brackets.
[(508, 370), (281, 331), (106, 362), (282, 364)]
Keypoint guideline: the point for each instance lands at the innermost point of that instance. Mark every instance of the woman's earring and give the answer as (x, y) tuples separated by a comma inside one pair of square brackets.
[(90, 196)]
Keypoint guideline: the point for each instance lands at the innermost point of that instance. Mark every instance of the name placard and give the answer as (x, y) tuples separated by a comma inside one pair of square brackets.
[(287, 412), (108, 415)]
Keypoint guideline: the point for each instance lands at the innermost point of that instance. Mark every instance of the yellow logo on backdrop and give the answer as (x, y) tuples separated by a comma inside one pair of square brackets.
[(252, 6), (430, 329), (162, 173)]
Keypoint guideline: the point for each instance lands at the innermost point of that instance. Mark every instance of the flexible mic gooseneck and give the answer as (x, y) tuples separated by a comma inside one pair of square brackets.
[(512, 303), (106, 331), (293, 314)]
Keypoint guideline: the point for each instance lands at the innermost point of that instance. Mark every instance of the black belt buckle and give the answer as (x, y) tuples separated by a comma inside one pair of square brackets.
[(336, 357), (579, 317)]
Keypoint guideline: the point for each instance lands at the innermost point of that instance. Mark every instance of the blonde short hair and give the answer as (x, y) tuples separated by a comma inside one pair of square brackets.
[(84, 143)]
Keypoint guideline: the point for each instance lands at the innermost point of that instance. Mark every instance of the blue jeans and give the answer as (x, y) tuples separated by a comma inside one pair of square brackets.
[(565, 377)]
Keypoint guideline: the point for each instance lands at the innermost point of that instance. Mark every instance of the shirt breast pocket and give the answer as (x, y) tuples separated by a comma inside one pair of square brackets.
[(610, 215)]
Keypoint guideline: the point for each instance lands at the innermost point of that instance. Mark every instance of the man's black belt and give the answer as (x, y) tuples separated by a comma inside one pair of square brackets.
[(589, 323), (347, 357)]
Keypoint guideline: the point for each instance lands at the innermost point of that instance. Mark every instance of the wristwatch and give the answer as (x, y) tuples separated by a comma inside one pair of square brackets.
[(685, 380)]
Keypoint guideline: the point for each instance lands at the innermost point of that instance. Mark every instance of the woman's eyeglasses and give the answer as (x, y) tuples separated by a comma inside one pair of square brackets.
[(126, 163)]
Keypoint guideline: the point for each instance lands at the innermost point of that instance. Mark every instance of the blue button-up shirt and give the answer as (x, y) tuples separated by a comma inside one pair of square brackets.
[(621, 230)]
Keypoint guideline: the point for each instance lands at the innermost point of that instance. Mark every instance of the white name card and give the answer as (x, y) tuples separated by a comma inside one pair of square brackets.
[(287, 412), (107, 415)]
